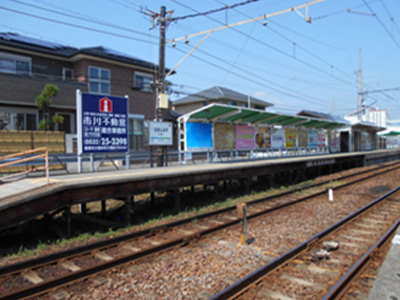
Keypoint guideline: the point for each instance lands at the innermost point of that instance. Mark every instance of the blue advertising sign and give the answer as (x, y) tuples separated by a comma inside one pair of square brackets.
[(199, 136), (102, 123)]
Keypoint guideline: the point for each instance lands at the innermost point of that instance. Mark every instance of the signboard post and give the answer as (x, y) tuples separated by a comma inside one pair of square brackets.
[(102, 124)]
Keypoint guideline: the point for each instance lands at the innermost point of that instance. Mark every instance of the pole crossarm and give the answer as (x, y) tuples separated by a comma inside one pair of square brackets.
[(263, 17)]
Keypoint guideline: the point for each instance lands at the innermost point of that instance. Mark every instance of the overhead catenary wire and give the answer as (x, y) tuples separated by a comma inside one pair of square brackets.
[(381, 23), (274, 48), (213, 10), (254, 81), (297, 44), (391, 18)]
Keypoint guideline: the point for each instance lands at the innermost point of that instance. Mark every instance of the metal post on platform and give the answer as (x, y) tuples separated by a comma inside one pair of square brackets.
[(127, 160), (79, 162), (91, 162)]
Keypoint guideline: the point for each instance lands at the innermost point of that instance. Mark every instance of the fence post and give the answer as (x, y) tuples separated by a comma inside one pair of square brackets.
[(127, 160), (47, 167), (91, 162), (79, 162)]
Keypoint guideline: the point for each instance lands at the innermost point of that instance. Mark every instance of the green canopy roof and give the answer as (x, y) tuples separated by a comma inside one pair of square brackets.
[(240, 115), (392, 133)]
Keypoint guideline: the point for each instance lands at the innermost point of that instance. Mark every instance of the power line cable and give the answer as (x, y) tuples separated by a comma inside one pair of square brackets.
[(200, 14), (297, 45), (78, 26), (307, 99), (391, 18), (273, 48), (383, 25), (78, 16)]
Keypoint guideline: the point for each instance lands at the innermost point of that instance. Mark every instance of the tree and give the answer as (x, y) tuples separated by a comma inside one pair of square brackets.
[(44, 102)]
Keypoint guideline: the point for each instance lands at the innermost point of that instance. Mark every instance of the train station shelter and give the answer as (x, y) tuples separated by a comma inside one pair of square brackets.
[(218, 127)]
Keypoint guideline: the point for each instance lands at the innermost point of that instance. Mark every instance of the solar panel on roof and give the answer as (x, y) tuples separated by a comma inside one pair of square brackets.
[(28, 40)]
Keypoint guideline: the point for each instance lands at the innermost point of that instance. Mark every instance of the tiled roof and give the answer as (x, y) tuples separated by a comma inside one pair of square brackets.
[(217, 93)]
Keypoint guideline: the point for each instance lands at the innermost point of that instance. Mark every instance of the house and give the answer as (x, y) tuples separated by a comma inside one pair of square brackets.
[(379, 117), (219, 95), (28, 64)]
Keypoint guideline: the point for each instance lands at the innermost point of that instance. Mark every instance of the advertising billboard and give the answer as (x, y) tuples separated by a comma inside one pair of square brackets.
[(199, 136), (278, 139), (244, 137), (262, 138), (291, 137), (312, 138), (102, 123)]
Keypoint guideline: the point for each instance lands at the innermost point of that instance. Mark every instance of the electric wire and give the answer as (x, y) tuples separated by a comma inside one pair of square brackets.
[(79, 26), (199, 14), (297, 45), (251, 80), (274, 48), (381, 23), (75, 15), (391, 18)]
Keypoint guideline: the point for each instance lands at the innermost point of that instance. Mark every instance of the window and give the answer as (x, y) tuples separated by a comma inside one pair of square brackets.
[(14, 120), (99, 80), (68, 74), (205, 103), (15, 64), (232, 103), (143, 81), (136, 132)]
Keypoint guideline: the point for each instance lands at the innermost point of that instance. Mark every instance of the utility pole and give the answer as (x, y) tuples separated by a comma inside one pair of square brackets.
[(360, 89), (161, 80), (161, 63)]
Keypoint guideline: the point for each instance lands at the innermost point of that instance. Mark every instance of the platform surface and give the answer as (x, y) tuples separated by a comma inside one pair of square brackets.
[(387, 284)]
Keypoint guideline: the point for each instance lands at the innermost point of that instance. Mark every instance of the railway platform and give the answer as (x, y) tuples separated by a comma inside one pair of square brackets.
[(29, 198), (387, 284)]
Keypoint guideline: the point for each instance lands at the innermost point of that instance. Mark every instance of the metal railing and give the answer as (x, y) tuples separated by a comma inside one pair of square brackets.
[(24, 157)]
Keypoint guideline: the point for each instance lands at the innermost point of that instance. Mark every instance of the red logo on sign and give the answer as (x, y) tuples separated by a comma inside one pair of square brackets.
[(106, 105)]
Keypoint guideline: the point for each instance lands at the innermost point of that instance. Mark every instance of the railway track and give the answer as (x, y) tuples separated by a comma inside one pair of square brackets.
[(302, 273), (38, 276)]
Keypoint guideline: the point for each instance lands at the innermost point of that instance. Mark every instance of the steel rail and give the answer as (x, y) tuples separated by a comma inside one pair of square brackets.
[(84, 273), (257, 275), (341, 286), (70, 253)]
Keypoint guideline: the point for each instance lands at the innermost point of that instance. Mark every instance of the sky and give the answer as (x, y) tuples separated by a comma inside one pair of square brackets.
[(293, 64)]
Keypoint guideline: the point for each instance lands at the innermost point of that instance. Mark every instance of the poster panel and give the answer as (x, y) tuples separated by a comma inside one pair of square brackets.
[(102, 123), (291, 137), (334, 144), (224, 136), (199, 136), (278, 139), (262, 138), (160, 133), (322, 139), (244, 137), (303, 138), (313, 138)]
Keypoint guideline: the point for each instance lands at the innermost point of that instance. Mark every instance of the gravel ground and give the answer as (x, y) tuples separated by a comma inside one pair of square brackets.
[(210, 264)]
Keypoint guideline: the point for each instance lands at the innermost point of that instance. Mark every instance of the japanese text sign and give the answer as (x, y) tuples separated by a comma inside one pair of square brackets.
[(102, 123)]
